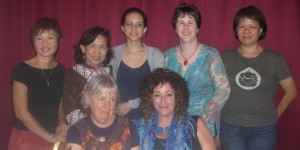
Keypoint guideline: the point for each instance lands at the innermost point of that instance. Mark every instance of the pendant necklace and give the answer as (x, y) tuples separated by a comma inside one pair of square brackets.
[(47, 79), (186, 59), (161, 129)]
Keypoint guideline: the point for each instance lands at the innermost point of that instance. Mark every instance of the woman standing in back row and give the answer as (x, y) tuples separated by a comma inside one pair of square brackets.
[(200, 65), (132, 61), (249, 118), (37, 90), (92, 55)]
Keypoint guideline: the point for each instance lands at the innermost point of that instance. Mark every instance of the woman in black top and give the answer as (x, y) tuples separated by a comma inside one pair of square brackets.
[(37, 90)]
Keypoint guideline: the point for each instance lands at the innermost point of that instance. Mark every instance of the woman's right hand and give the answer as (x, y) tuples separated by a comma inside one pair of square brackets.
[(53, 138)]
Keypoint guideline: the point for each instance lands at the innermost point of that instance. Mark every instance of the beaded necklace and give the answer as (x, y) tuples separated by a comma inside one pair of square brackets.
[(186, 59)]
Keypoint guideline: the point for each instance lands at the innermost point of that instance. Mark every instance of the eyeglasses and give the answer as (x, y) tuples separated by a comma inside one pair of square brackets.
[(138, 25)]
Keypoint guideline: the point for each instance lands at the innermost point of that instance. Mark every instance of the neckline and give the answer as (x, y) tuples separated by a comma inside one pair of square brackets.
[(141, 66), (185, 62), (90, 66), (191, 64), (94, 126), (35, 67), (250, 58)]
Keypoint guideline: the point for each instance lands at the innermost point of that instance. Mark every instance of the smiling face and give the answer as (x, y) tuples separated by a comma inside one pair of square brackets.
[(163, 99), (46, 43), (186, 28), (134, 27), (102, 107), (95, 52), (248, 31)]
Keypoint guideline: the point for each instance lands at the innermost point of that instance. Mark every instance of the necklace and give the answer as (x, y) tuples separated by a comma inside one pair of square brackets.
[(47, 79), (161, 129), (186, 59)]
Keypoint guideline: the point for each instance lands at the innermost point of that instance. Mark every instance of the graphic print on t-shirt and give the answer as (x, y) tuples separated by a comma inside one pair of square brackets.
[(248, 79)]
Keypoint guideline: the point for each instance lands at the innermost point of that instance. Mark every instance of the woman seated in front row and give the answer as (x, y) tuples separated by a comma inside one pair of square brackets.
[(166, 124), (102, 129)]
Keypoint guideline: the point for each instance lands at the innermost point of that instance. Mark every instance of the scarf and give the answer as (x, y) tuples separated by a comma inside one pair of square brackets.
[(179, 133)]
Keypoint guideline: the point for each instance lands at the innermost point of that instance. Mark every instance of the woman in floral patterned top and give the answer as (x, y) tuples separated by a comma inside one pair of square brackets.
[(102, 129), (200, 65)]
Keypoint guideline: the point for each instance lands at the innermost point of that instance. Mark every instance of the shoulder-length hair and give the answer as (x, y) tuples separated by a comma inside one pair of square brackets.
[(87, 38), (253, 13)]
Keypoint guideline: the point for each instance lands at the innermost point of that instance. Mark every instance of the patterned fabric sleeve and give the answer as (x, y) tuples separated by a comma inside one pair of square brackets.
[(222, 89), (74, 116)]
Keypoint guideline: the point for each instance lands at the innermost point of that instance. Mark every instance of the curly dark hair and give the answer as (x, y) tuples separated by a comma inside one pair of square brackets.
[(163, 76), (87, 38)]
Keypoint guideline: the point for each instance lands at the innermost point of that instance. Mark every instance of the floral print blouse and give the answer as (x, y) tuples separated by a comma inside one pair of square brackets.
[(207, 82)]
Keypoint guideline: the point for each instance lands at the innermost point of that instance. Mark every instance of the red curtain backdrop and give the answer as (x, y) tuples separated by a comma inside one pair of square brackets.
[(75, 16)]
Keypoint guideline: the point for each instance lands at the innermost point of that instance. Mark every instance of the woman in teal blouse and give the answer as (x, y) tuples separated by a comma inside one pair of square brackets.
[(200, 65)]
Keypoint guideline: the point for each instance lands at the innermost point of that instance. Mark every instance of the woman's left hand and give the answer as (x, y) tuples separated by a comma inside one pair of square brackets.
[(123, 108), (62, 130)]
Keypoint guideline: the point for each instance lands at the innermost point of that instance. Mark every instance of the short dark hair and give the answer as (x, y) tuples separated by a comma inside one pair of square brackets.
[(162, 76), (186, 9), (45, 24), (87, 38), (253, 13), (134, 10)]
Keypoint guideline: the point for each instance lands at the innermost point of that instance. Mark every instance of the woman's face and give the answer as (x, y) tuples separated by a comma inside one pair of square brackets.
[(186, 28), (102, 107), (163, 100), (134, 27), (96, 52), (46, 43), (248, 31)]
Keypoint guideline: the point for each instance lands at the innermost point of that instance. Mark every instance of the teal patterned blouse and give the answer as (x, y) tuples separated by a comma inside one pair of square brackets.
[(207, 82)]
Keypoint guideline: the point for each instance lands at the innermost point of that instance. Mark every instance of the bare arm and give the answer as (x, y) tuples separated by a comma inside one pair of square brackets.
[(63, 127), (290, 92), (125, 107), (61, 115), (204, 136), (20, 103)]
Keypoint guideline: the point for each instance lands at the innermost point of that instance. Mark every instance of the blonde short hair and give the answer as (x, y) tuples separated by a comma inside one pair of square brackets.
[(98, 84)]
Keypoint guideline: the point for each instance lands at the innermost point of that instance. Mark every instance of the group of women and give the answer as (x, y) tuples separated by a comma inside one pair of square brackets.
[(133, 96)]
